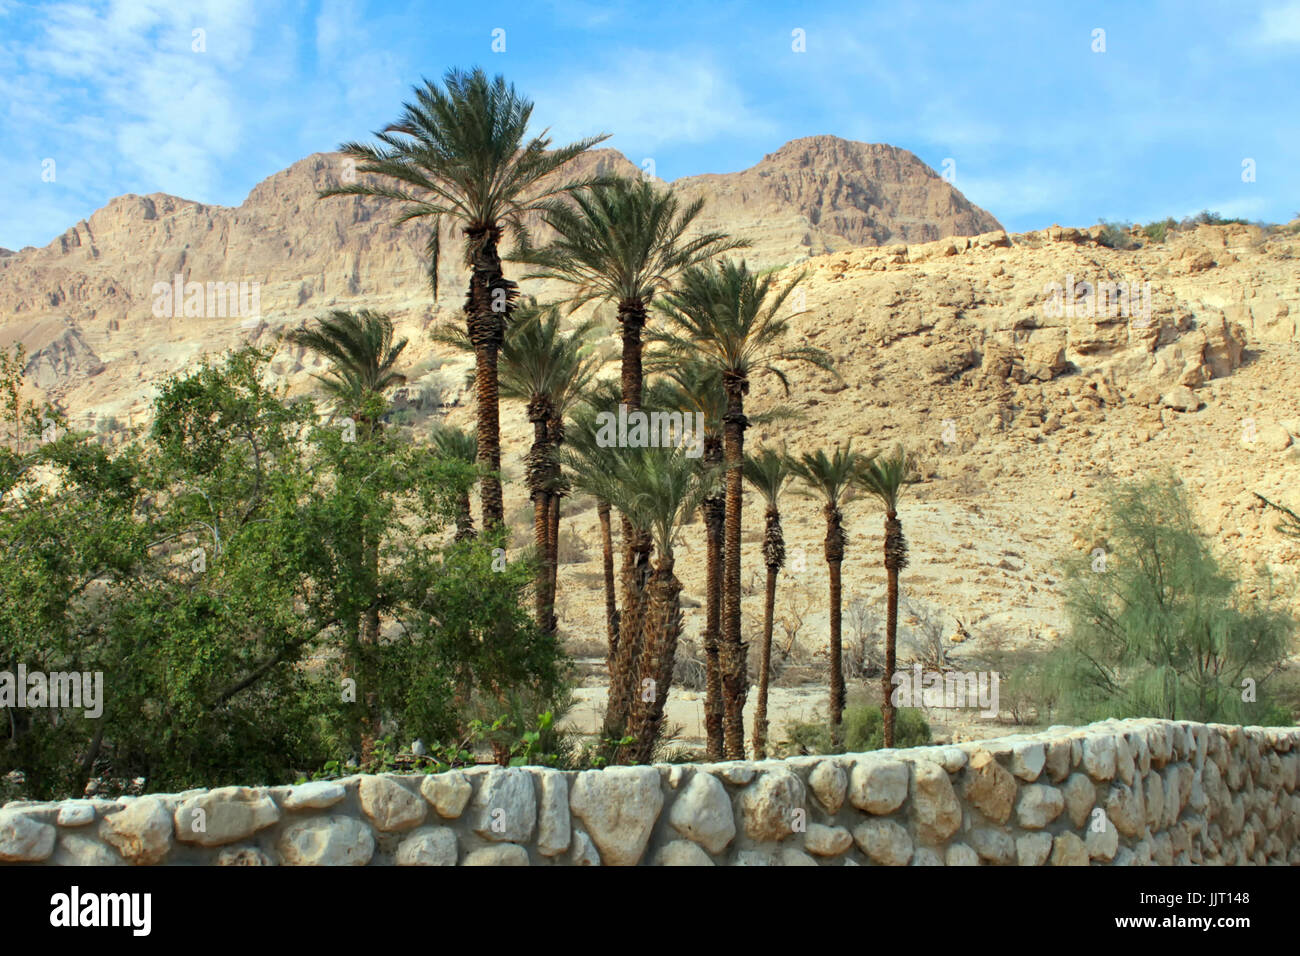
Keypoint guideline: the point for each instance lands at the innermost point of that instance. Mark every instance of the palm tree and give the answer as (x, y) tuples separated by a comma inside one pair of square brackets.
[(362, 354), (693, 387), (583, 456), (461, 151), (767, 473), (658, 490), (830, 480), (728, 317), (549, 370), (884, 477), (624, 242), (455, 444)]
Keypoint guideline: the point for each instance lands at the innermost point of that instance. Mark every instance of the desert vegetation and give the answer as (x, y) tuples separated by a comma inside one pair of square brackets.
[(281, 587)]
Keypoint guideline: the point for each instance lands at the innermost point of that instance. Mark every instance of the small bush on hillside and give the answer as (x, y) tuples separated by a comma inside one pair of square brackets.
[(1159, 628), (863, 730), (1116, 235), (1159, 231)]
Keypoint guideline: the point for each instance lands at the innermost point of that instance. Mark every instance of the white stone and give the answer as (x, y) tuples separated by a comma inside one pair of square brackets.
[(822, 840), (390, 805), (878, 785), (619, 807), (768, 805), (1099, 756), (448, 792), (142, 832), (427, 846), (1033, 849), (554, 830), (77, 849), (935, 807), (583, 852), (317, 795), (959, 854), (504, 854), (702, 813), (225, 815), (76, 813), (327, 841), (505, 808), (1027, 760), (681, 853), (884, 841), (993, 845), (1038, 806), (829, 784), (22, 839)]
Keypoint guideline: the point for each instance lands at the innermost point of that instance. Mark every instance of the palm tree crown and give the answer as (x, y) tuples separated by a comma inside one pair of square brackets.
[(622, 241), (462, 151), (361, 350)]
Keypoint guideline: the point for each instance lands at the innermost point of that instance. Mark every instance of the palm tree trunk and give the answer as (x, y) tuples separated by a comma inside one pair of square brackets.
[(734, 663), (774, 557), (623, 673), (553, 558), (662, 628), (487, 310), (539, 458), (714, 524), (895, 560), (607, 556), (834, 547), (464, 519), (637, 546)]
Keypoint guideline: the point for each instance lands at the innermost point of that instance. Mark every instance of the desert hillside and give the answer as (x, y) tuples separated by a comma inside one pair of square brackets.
[(948, 335)]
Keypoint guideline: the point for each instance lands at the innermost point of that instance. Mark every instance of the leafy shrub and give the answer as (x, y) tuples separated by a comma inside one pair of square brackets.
[(1159, 231), (1159, 628), (1115, 235), (863, 728)]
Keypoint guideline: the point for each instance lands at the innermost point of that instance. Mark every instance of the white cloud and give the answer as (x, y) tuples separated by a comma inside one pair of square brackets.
[(652, 101), (1279, 25)]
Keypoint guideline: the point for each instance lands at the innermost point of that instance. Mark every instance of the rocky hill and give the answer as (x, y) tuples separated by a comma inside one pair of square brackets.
[(1027, 369)]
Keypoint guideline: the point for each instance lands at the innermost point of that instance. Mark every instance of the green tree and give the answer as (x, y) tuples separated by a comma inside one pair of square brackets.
[(768, 472), (884, 476), (830, 480), (462, 151), (1158, 627), (456, 444), (362, 354), (729, 318)]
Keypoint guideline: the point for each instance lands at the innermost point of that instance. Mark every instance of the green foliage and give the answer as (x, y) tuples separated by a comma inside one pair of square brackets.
[(863, 730), (1159, 231), (217, 573), (1116, 235), (1159, 628)]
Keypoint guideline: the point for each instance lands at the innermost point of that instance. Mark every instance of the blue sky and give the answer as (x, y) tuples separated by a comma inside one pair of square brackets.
[(1040, 128)]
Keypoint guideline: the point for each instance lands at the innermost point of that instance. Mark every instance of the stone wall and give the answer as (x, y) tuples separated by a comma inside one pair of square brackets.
[(1119, 792)]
